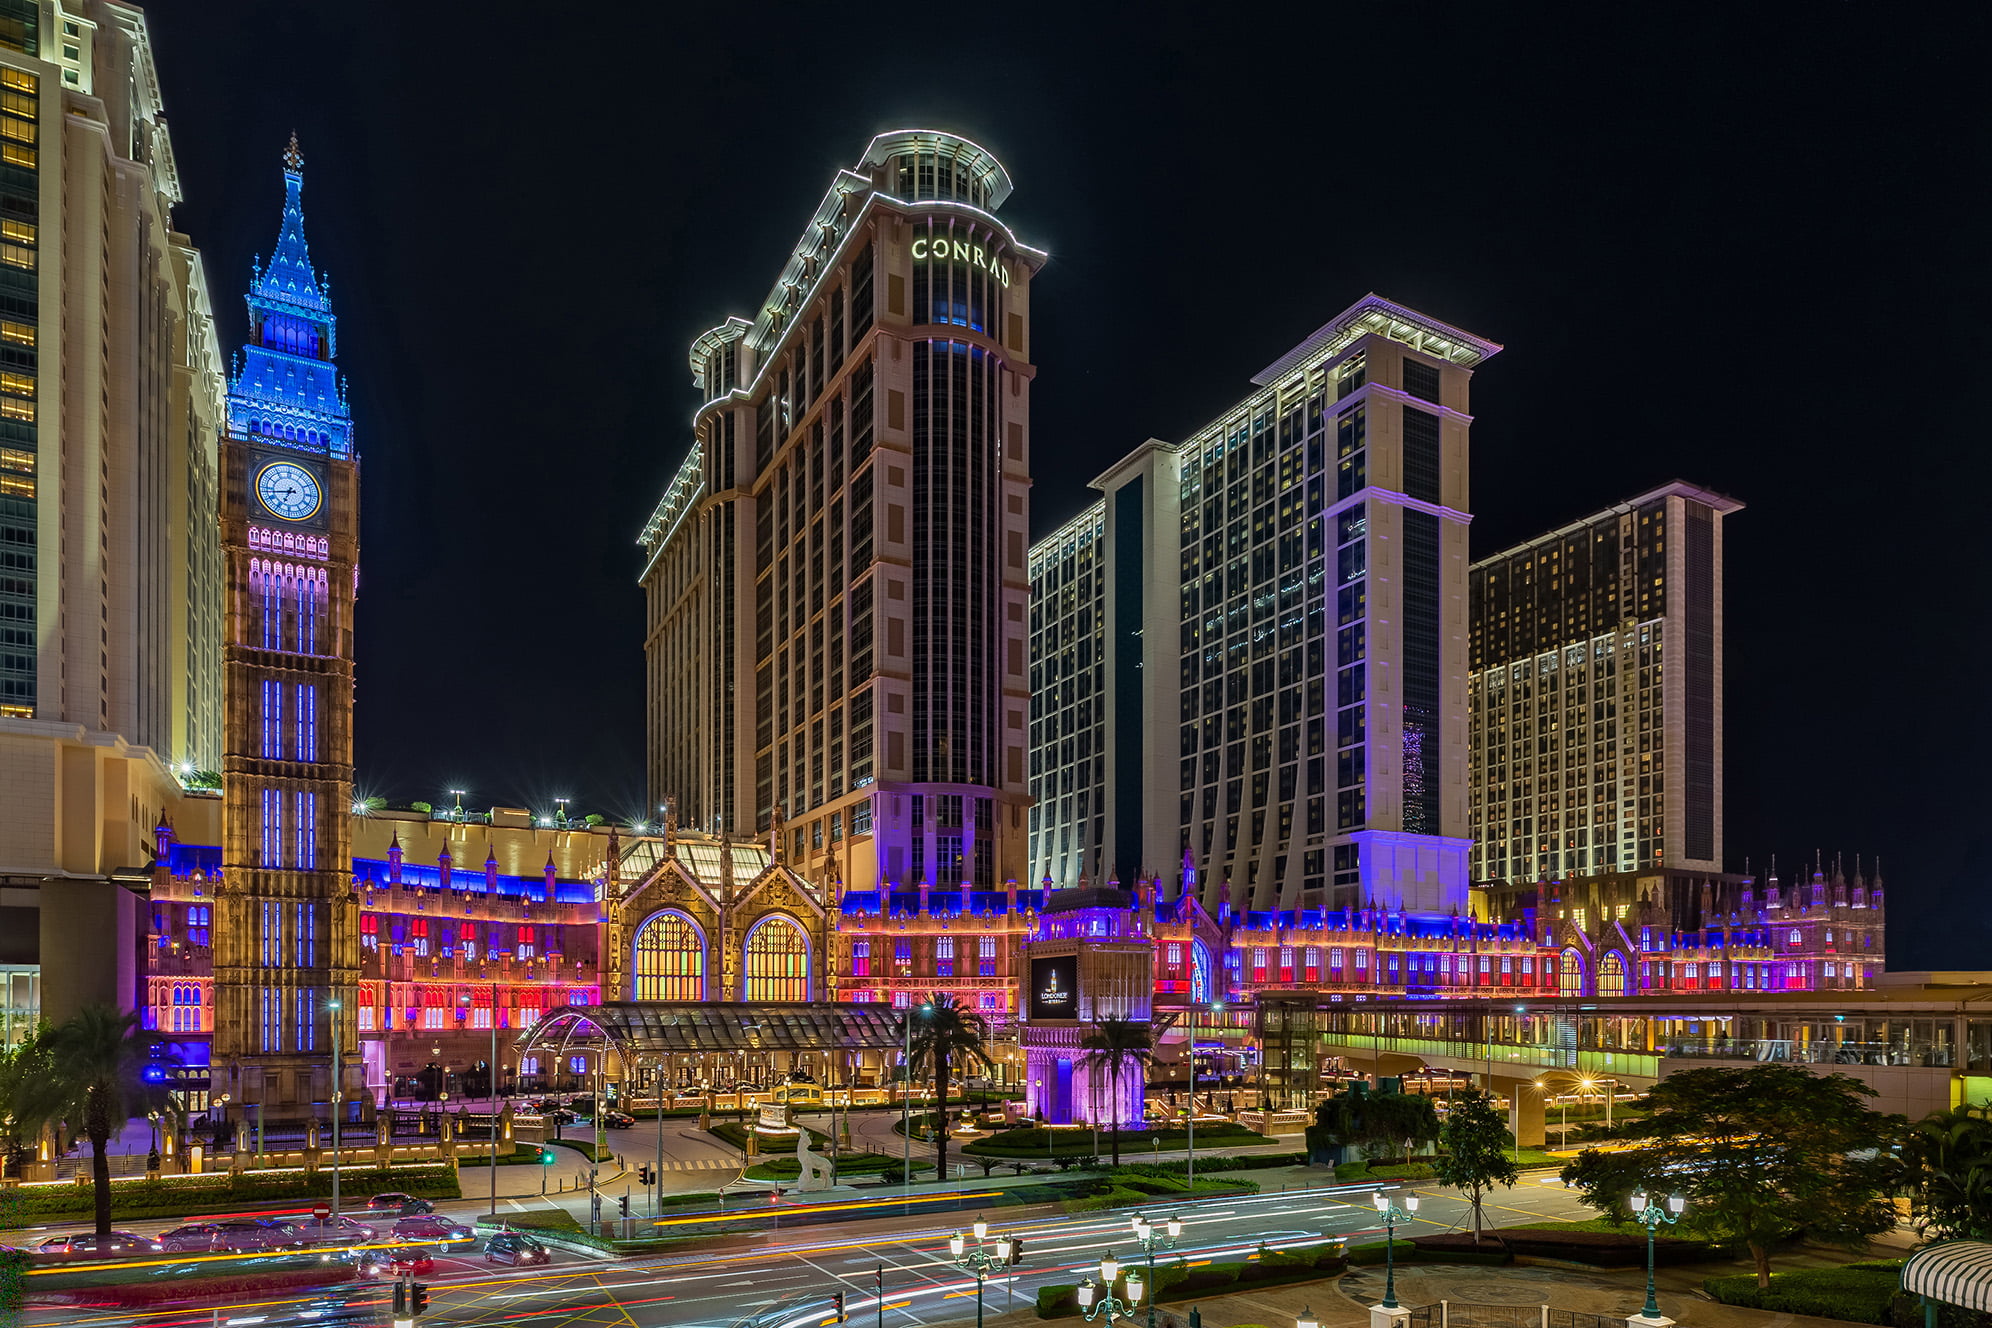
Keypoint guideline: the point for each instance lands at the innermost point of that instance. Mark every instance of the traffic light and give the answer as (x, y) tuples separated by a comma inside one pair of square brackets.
[(837, 1300), (418, 1298), (622, 1203), (1016, 1250), (643, 1173), (546, 1157), (401, 1301)]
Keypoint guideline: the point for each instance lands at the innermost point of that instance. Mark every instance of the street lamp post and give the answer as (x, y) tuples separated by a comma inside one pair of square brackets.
[(1652, 1216), (1392, 1215), (1097, 1299), (982, 1258), (1216, 1010), (338, 1106), (1153, 1238)]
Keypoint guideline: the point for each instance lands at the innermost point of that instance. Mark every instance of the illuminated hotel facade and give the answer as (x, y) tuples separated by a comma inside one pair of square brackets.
[(835, 578), (1248, 659), (1596, 693)]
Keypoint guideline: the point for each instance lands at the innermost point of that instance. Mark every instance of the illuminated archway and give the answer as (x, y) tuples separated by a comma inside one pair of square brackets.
[(1199, 972), (777, 955), (668, 959), (1570, 974), (1611, 974)]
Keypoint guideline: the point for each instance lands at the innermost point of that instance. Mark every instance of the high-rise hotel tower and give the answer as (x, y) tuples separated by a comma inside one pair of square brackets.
[(1596, 693), (1249, 659), (836, 576), (110, 570)]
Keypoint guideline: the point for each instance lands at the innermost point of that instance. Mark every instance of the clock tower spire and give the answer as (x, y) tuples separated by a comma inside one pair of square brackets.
[(286, 954)]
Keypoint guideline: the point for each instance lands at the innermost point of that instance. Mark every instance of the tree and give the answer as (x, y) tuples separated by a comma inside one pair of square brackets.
[(28, 1097), (1473, 1151), (1113, 1046), (1378, 1123), (1949, 1154), (946, 1034), (97, 1065), (1757, 1153)]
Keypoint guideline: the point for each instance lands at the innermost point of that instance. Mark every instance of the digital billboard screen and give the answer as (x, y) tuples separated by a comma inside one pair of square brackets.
[(1055, 987)]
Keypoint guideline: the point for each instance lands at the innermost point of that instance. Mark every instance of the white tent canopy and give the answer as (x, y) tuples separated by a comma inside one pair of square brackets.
[(1955, 1272)]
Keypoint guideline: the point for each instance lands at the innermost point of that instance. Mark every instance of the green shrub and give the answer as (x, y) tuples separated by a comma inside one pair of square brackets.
[(1861, 1295), (1373, 1252), (1055, 1302), (178, 1196), (585, 1147)]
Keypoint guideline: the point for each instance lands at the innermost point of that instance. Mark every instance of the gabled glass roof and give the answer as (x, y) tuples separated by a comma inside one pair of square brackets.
[(694, 1026)]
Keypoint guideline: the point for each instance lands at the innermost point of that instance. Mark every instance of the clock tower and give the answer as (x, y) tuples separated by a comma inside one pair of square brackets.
[(286, 954)]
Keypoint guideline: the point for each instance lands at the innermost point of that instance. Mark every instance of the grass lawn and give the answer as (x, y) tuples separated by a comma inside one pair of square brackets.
[(585, 1147), (557, 1221), (1860, 1292), (1029, 1143), (854, 1164), (734, 1133), (1602, 1225)]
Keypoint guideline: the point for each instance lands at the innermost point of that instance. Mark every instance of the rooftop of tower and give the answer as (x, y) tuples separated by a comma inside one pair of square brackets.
[(1692, 492), (1374, 315)]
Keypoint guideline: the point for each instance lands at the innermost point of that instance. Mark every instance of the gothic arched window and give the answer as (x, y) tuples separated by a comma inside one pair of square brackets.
[(669, 960), (1611, 975), (777, 961)]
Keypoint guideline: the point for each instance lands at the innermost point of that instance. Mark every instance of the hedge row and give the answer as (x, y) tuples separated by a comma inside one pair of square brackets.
[(858, 1164), (1860, 1292), (1032, 1141), (179, 1196), (1179, 1281)]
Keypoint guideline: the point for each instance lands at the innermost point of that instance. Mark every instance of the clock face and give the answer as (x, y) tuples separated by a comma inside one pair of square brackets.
[(288, 491)]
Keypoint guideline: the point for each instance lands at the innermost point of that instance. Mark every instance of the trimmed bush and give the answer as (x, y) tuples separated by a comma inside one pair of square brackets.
[(1373, 1252), (180, 1196), (1858, 1294)]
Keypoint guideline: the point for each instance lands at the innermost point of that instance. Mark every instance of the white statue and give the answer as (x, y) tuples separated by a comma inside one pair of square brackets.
[(815, 1174)]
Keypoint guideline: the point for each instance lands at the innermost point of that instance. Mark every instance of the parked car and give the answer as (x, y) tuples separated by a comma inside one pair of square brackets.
[(401, 1205), (394, 1260), (341, 1231), (88, 1244), (430, 1229), (618, 1120), (195, 1238), (516, 1248), (561, 1114)]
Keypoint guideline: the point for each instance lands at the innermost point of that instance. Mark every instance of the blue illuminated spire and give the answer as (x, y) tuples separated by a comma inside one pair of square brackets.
[(288, 278), (286, 392)]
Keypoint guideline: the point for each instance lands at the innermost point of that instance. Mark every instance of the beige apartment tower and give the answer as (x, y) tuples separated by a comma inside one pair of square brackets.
[(835, 577), (1596, 693), (110, 404)]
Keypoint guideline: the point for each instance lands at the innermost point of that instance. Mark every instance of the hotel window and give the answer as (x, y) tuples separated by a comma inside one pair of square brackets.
[(985, 956), (306, 807), (271, 935), (1259, 964), (992, 1002), (272, 1021), (861, 959), (273, 828), (526, 948), (369, 931), (902, 955), (365, 1013), (307, 1019), (273, 720), (198, 920), (306, 935), (1486, 965), (419, 929), (902, 1000), (1335, 957), (944, 956), (1286, 963), (305, 714), (1311, 967), (1175, 954), (1362, 959), (1421, 380)]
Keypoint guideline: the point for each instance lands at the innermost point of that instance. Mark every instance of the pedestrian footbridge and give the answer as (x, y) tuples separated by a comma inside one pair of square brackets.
[(1922, 1046)]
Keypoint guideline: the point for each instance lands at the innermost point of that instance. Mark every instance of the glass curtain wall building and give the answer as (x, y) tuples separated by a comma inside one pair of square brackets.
[(835, 577), (1596, 693), (1284, 666)]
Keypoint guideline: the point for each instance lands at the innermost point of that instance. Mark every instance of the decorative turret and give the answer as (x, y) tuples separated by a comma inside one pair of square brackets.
[(549, 871), (670, 827), (725, 868), (394, 860), (443, 864), (490, 867), (777, 821)]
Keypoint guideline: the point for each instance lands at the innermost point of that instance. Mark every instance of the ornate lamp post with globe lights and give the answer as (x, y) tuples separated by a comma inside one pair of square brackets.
[(1153, 1238), (1652, 1216), (982, 1258), (1392, 1215), (1097, 1299)]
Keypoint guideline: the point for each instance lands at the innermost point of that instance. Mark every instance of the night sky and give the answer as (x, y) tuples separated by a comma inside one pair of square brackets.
[(1739, 245)]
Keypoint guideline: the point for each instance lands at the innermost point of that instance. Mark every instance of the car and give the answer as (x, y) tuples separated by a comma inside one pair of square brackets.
[(340, 1231), (430, 1229), (618, 1120), (516, 1248), (195, 1238), (562, 1114), (329, 1310), (81, 1244), (401, 1205), (244, 1235), (394, 1260)]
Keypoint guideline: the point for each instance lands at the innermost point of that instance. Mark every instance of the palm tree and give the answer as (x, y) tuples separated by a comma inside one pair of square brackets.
[(1113, 1046), (28, 1100), (1950, 1171), (98, 1068), (947, 1034)]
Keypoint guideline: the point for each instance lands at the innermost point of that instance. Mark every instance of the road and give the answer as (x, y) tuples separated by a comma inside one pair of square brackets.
[(785, 1280)]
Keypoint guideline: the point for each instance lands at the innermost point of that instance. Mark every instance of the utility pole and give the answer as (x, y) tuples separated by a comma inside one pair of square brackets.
[(338, 1082), (492, 1069)]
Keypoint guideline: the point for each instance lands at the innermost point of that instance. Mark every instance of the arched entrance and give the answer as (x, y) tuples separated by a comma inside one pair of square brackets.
[(668, 959), (777, 961)]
